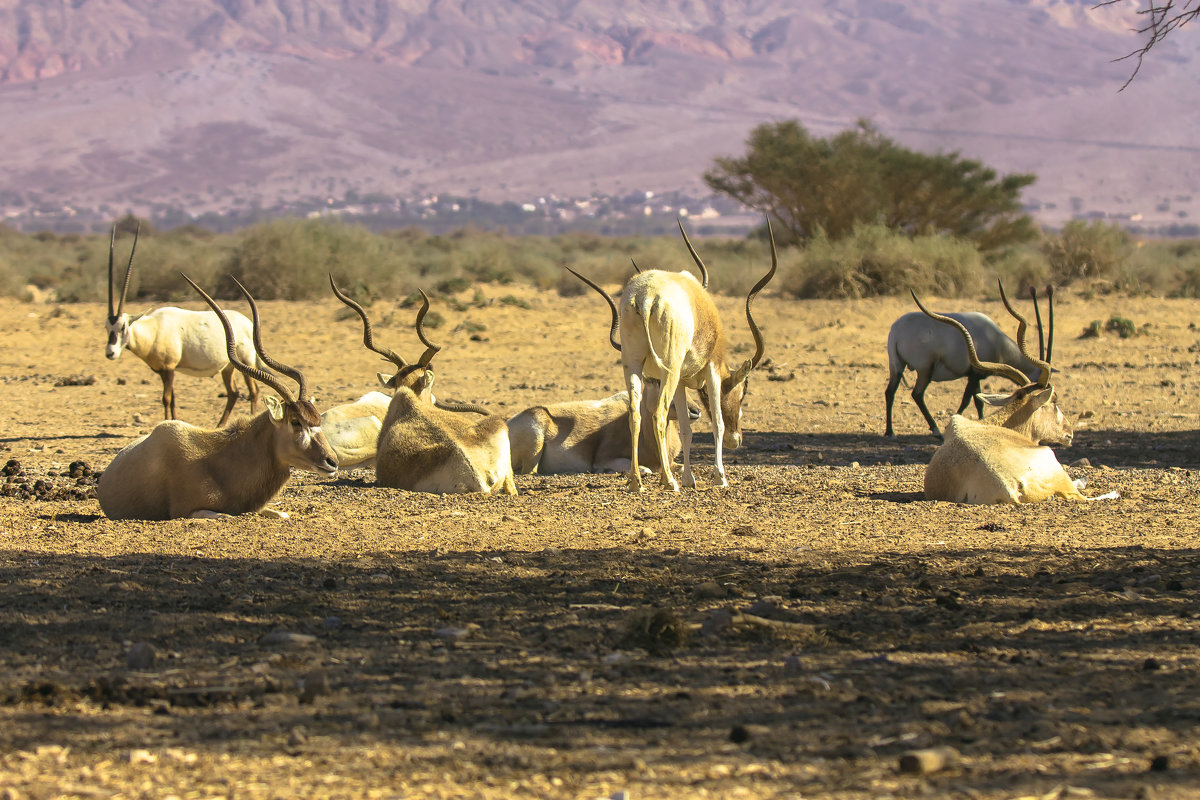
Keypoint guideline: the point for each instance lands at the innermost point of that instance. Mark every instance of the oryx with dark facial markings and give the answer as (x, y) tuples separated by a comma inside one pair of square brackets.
[(171, 340)]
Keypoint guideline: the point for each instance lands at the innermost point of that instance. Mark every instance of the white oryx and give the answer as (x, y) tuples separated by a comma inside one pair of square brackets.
[(1000, 459), (181, 470), (174, 340), (671, 332), (423, 446)]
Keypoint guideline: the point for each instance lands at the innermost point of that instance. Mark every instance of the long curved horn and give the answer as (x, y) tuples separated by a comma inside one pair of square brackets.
[(368, 334), (260, 375), (759, 344), (128, 270), (1050, 325), (695, 255), (1037, 316), (112, 243), (1022, 325), (431, 349), (616, 322), (636, 268), (987, 367), (291, 372)]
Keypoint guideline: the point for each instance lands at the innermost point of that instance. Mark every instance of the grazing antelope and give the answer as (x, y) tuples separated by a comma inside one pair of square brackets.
[(1000, 458), (180, 470), (174, 340), (585, 436), (936, 353), (424, 446), (671, 332)]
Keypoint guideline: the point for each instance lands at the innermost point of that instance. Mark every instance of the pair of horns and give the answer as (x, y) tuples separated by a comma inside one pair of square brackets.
[(250, 370), (759, 343), (112, 242), (431, 349), (1007, 370)]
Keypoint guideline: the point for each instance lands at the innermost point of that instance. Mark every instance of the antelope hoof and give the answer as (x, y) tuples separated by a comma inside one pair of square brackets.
[(719, 481), (689, 480), (635, 484)]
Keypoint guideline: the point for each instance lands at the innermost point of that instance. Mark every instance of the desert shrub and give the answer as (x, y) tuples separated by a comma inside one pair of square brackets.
[(1021, 267), (1087, 250), (291, 259), (875, 260)]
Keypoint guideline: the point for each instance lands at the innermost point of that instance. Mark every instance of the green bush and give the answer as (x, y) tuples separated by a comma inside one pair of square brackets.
[(875, 260), (1088, 250)]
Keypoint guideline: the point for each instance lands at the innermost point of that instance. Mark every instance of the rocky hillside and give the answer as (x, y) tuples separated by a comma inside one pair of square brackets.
[(206, 104)]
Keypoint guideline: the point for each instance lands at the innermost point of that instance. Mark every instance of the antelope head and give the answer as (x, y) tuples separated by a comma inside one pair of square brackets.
[(1032, 408), (733, 387), (297, 439), (419, 376), (117, 324)]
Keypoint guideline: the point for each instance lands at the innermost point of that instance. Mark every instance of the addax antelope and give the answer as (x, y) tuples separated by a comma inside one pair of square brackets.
[(180, 470), (936, 353), (174, 340), (588, 435), (671, 332), (1001, 459), (427, 447)]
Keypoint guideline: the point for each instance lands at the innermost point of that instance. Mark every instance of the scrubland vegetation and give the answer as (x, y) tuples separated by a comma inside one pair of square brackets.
[(290, 258)]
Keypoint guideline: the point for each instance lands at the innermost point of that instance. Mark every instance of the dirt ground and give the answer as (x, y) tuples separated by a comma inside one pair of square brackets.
[(790, 636)]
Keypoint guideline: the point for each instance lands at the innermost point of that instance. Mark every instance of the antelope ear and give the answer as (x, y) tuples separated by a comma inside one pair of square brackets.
[(384, 379), (275, 407), (424, 383), (1000, 400), (1040, 398)]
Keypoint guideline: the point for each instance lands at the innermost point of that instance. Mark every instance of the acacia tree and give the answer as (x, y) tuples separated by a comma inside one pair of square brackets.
[(860, 175), (1161, 19)]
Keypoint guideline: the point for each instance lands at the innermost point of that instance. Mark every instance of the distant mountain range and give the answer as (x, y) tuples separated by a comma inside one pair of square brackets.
[(213, 105)]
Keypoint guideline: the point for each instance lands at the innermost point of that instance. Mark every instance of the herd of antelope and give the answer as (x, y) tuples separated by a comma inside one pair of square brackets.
[(665, 326)]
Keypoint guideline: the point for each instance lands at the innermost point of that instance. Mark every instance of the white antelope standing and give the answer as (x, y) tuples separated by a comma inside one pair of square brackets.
[(1001, 459), (424, 446), (174, 340), (936, 352), (671, 332), (181, 470)]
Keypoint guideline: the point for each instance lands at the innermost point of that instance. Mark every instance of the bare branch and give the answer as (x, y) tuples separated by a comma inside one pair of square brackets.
[(1161, 21)]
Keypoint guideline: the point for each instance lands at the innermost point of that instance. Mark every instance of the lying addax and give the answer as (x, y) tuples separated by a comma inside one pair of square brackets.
[(174, 340), (584, 436), (671, 332), (180, 470), (424, 447), (1000, 459)]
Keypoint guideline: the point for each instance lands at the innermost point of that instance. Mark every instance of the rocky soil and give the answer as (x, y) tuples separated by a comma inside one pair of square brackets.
[(794, 635)]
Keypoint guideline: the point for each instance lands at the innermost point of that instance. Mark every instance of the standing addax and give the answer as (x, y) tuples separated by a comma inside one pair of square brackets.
[(180, 470), (671, 332), (1000, 459), (174, 340), (936, 353), (428, 447)]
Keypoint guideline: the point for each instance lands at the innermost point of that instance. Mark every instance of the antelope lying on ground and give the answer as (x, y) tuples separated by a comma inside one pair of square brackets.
[(1000, 459), (353, 429), (424, 447), (584, 436), (180, 470), (671, 332), (174, 340)]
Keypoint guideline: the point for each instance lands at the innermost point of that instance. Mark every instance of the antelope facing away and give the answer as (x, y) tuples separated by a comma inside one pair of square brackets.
[(180, 470), (426, 447), (174, 340), (936, 352), (1000, 459), (671, 332)]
